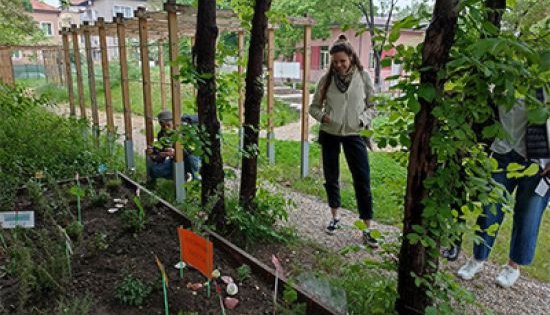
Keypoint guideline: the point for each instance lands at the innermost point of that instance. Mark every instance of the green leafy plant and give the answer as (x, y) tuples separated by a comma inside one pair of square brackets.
[(243, 273), (134, 219), (74, 230), (132, 291), (289, 304), (100, 199), (113, 184), (74, 306), (250, 227), (99, 243)]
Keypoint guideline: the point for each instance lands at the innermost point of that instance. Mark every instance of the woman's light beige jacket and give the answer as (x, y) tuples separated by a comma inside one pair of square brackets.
[(347, 111)]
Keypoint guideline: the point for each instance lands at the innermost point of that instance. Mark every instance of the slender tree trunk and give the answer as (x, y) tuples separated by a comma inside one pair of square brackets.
[(204, 57), (253, 99), (416, 259)]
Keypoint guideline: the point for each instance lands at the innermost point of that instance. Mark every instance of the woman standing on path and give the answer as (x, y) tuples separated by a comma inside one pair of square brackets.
[(340, 104)]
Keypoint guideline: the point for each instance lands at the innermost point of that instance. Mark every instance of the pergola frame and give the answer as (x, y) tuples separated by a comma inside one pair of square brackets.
[(175, 21)]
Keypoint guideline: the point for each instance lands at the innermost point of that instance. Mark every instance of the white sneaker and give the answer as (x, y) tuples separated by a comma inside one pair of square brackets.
[(507, 276), (469, 270)]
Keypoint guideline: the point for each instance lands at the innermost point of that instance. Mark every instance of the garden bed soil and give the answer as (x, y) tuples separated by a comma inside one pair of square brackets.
[(97, 274)]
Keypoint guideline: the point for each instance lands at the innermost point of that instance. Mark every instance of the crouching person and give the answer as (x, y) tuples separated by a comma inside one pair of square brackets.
[(161, 155)]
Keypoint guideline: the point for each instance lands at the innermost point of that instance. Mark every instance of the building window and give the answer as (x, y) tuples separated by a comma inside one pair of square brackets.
[(47, 28), (16, 54), (324, 60), (127, 12)]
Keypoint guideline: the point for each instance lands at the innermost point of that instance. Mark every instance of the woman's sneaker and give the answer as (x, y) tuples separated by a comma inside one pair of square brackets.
[(333, 226), (369, 240), (507, 276), (469, 270)]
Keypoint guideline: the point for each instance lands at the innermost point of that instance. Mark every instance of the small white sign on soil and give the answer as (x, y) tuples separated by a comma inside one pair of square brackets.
[(11, 219)]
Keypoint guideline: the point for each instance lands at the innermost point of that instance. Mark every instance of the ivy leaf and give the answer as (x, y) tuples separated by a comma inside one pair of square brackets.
[(427, 92), (514, 167), (491, 230), (360, 225), (532, 170), (386, 62)]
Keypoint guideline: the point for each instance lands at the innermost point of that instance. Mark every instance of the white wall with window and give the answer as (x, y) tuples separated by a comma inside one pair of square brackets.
[(47, 28), (324, 60), (127, 12), (16, 54)]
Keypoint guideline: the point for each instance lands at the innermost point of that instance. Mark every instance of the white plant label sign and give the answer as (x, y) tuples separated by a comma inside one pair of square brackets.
[(11, 219)]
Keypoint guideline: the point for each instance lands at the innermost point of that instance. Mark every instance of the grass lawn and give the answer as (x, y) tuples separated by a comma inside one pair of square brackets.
[(282, 115)]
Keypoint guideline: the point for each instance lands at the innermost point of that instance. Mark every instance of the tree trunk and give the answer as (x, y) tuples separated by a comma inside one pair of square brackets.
[(204, 57), (253, 99), (416, 259)]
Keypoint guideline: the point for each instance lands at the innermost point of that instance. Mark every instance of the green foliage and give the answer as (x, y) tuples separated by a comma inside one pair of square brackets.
[(132, 291), (485, 67), (74, 306), (113, 184), (243, 273), (289, 304), (134, 220), (259, 225), (100, 199), (74, 230), (16, 26), (65, 145), (99, 243)]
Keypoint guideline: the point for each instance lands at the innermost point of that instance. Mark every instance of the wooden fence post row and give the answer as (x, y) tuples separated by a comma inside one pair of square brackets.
[(170, 24)]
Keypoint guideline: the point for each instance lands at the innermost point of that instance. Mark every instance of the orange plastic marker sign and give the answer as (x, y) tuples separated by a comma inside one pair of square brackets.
[(196, 251)]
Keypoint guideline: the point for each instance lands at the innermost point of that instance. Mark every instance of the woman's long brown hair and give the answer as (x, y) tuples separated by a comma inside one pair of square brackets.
[(340, 45)]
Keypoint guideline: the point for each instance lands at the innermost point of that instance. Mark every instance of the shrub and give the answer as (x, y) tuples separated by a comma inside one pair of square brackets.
[(132, 291)]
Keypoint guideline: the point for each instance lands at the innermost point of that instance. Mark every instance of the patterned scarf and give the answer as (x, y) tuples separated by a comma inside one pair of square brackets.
[(343, 82)]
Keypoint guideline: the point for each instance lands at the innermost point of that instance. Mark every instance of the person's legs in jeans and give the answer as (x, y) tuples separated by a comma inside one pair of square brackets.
[(358, 162), (330, 151), (493, 213), (528, 213), (160, 170)]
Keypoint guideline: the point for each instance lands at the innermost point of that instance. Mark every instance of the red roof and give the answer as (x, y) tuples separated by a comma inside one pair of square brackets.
[(41, 6)]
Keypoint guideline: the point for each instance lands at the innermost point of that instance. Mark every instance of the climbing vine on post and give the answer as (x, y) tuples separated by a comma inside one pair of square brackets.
[(445, 92)]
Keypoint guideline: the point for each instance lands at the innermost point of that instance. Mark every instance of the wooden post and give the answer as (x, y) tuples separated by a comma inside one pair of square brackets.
[(145, 75), (45, 61), (162, 75), (78, 66), (240, 69), (173, 41), (305, 102), (122, 56), (68, 75), (6, 66), (106, 80), (91, 80), (60, 65), (270, 89)]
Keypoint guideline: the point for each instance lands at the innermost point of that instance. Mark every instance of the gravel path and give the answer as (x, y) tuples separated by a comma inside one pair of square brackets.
[(310, 216)]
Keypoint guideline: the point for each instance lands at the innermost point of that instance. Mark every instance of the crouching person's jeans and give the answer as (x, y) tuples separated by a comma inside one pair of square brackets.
[(528, 210), (164, 169), (192, 166)]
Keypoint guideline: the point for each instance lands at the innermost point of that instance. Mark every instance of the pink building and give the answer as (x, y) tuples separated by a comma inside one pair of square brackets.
[(320, 57)]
